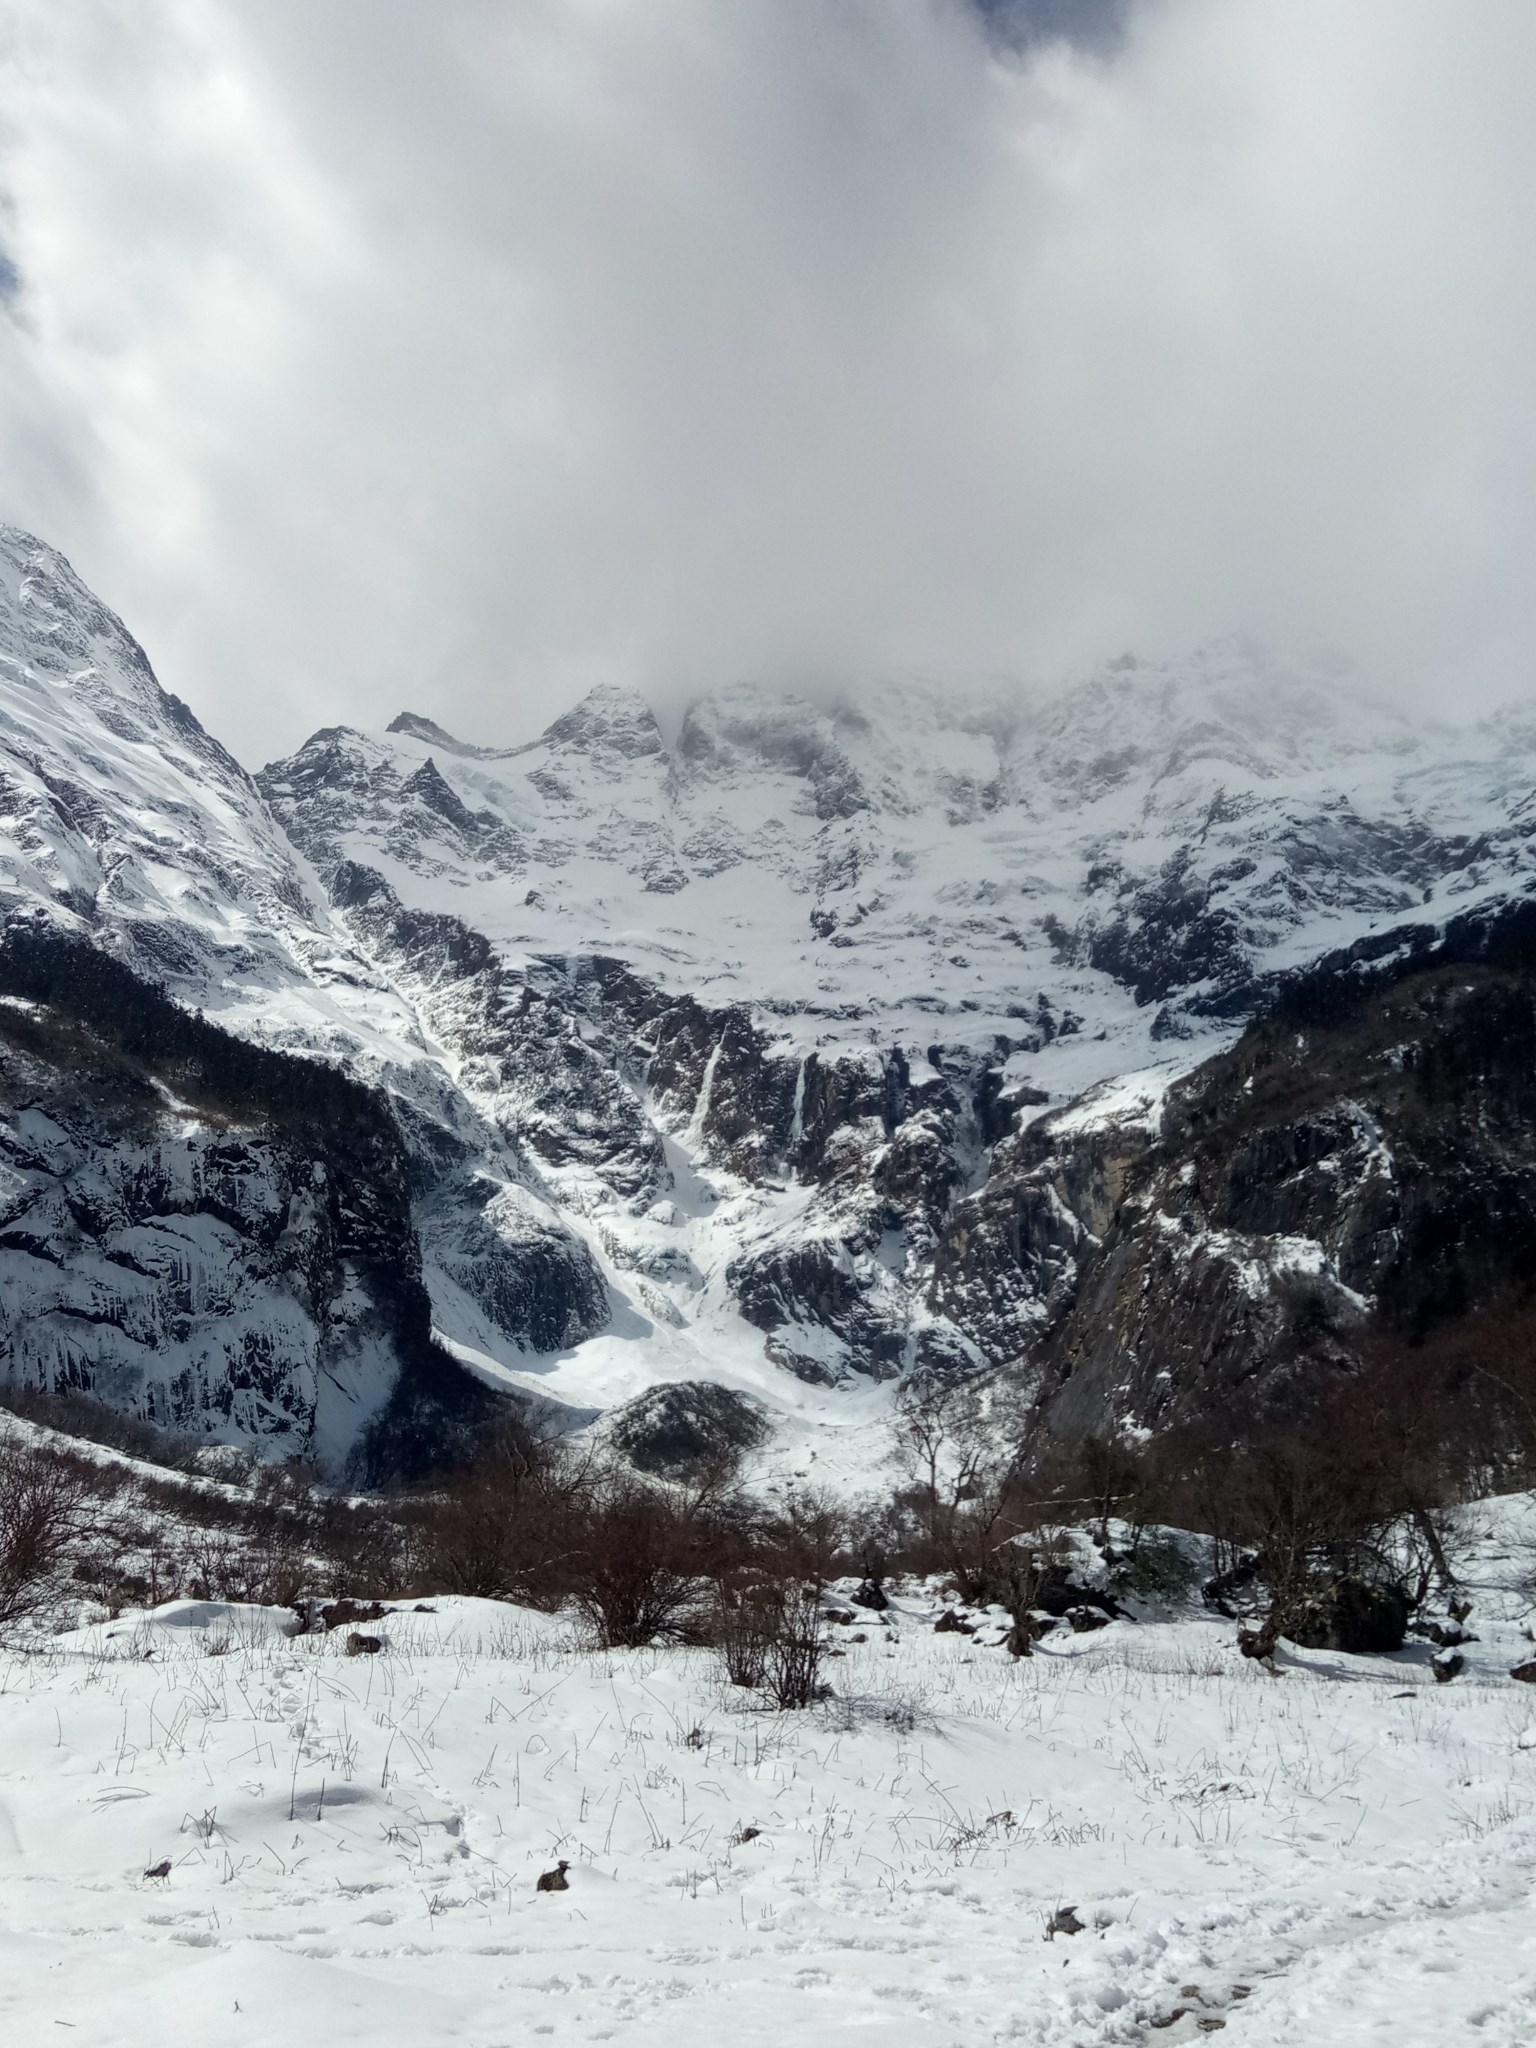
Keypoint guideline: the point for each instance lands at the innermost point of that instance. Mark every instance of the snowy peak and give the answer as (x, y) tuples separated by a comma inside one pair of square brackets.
[(904, 863), (121, 816), (56, 635), (1228, 714), (55, 627), (429, 730), (609, 720)]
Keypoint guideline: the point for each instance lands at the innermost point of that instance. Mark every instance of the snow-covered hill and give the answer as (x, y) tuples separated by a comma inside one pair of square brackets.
[(701, 1047)]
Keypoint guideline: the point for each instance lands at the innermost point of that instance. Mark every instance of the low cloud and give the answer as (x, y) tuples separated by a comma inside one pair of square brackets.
[(371, 356)]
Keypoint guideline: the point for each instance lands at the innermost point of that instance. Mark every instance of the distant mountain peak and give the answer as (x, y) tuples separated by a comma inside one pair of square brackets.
[(611, 718), (418, 728)]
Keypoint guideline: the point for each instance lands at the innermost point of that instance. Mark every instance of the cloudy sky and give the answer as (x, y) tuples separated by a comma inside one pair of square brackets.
[(369, 354)]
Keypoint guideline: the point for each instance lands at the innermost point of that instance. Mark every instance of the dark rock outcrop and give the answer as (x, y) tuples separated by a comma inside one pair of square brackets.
[(1360, 1619), (537, 1283), (685, 1427)]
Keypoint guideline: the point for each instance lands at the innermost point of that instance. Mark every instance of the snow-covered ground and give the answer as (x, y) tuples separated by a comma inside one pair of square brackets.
[(1342, 1853)]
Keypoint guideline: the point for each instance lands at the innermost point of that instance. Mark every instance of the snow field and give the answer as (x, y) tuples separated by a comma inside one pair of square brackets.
[(1343, 1853)]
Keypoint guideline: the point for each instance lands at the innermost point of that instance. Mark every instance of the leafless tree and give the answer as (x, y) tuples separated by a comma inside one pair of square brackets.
[(510, 1525), (1024, 1568), (959, 1446)]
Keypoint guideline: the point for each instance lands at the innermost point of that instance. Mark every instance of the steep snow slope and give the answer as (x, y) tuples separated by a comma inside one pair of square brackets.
[(123, 821)]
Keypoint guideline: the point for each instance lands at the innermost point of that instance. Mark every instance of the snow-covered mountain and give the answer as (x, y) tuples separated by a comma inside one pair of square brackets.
[(702, 1048)]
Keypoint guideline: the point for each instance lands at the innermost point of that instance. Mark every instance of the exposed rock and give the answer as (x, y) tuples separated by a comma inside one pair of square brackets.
[(1443, 1637), (1353, 1617), (1372, 1140), (1084, 1620), (1060, 1595), (542, 1082), (537, 1283), (685, 1427), (608, 720)]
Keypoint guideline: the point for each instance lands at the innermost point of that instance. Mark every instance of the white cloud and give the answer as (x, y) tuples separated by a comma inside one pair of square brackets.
[(368, 354)]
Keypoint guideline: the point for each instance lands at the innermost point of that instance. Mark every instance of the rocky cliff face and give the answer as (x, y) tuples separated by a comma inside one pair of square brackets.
[(827, 961), (209, 1235), (1367, 1148), (819, 1043)]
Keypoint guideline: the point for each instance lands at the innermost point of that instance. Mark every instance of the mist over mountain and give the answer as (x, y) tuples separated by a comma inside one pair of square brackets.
[(462, 360)]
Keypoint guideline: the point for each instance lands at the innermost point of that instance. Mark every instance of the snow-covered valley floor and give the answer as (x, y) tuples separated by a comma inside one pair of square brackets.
[(1342, 1853)]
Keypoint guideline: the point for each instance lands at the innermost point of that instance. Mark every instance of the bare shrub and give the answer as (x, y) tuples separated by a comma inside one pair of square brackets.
[(741, 1625), (806, 1538), (634, 1567), (792, 1669), (1337, 1512), (79, 1415), (45, 1508), (510, 1525), (767, 1631), (364, 1543)]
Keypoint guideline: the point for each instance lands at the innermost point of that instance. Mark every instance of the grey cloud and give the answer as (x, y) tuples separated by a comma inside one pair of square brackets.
[(461, 357), (1023, 24)]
